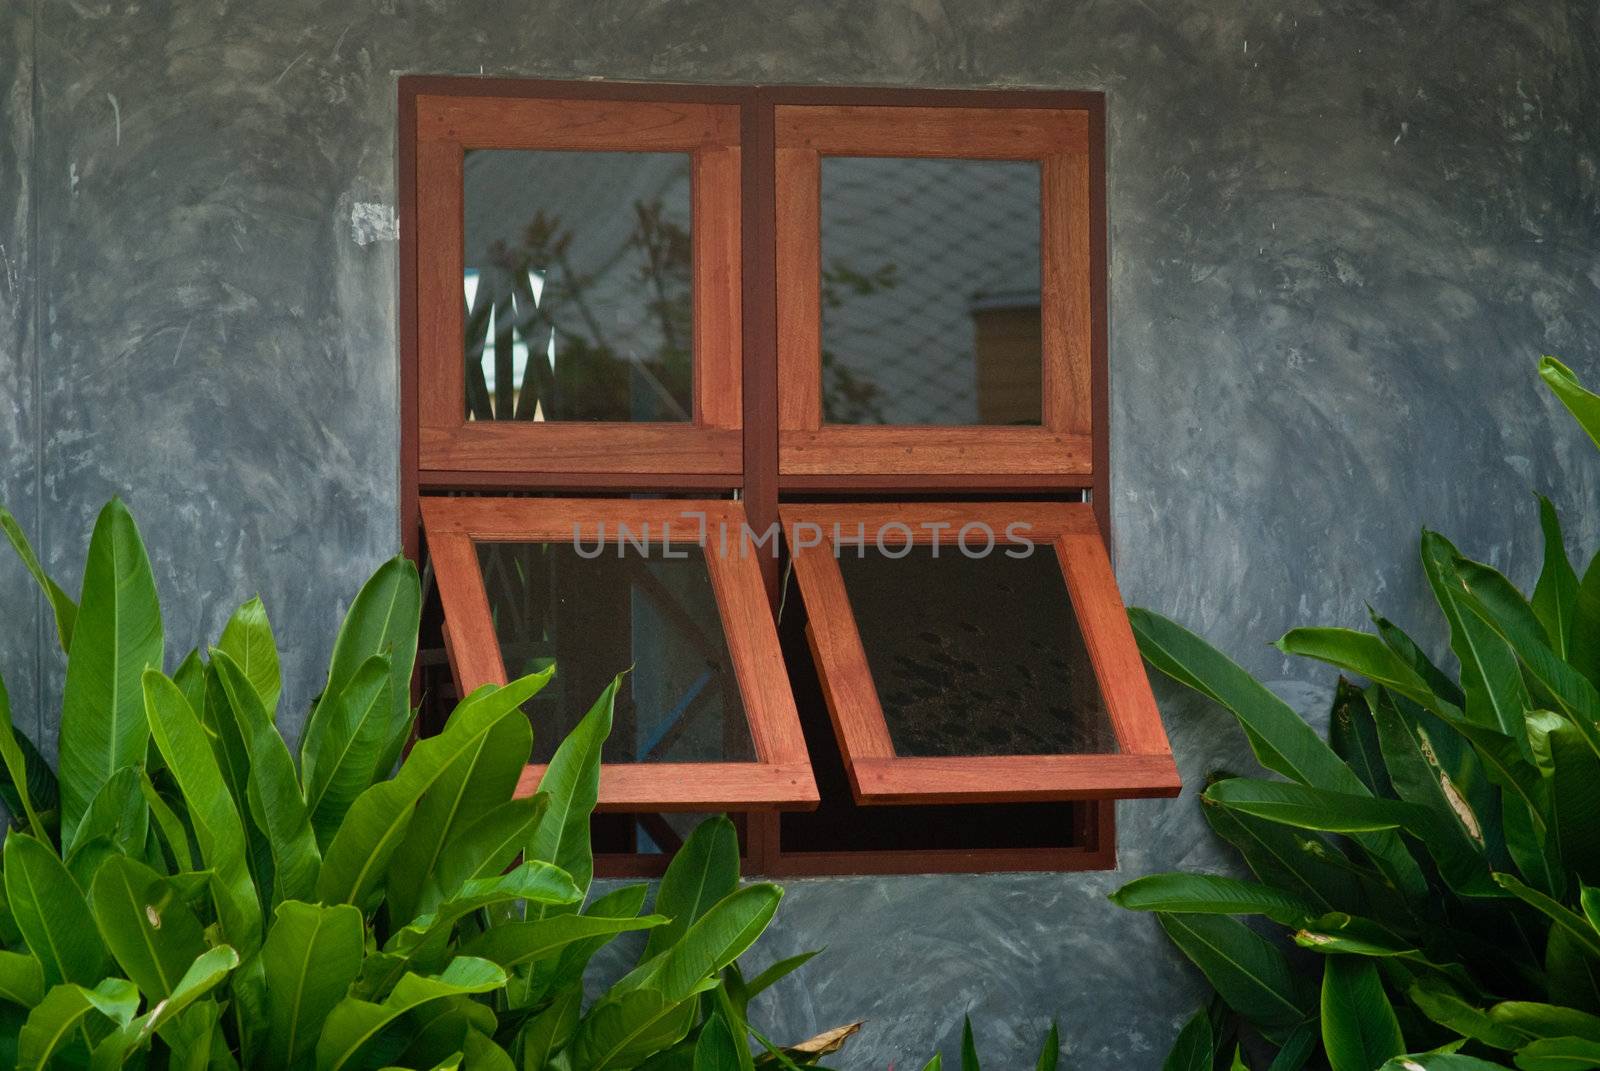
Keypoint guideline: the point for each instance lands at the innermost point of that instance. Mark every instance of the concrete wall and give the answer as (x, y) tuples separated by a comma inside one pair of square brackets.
[(1342, 231)]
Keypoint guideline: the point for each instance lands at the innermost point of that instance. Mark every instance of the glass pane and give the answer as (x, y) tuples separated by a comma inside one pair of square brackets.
[(930, 291), (976, 656), (577, 286), (594, 616)]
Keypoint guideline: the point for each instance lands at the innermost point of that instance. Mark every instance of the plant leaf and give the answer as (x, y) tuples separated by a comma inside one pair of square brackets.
[(247, 639), (704, 870), (61, 604), (513, 944), (1212, 895), (359, 854), (572, 784), (15, 765), (273, 792), (1495, 693), (217, 827), (310, 957), (52, 913), (117, 636), (341, 759), (1559, 1054), (1555, 596), (485, 847), (1195, 1048), (353, 1023), (64, 1008), (1582, 404), (1250, 973), (715, 940), (1359, 1028), (153, 935)]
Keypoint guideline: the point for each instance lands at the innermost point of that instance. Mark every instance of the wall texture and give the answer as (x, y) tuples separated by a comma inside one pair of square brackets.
[(1341, 232)]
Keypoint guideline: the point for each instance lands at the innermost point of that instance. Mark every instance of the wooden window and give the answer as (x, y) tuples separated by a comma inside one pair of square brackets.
[(779, 307), (541, 353), (976, 653), (705, 720), (992, 243)]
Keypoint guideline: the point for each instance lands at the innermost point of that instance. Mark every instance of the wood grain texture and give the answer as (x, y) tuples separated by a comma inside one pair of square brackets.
[(1065, 295), (525, 446), (442, 397), (838, 449), (971, 133), (798, 268), (1141, 767), (780, 778), (715, 232), (576, 124)]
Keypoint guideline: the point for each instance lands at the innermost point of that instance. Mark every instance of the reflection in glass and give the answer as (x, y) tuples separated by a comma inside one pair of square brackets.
[(976, 656), (930, 291), (577, 286), (594, 617)]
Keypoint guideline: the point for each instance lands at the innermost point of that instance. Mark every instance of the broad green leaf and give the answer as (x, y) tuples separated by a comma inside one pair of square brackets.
[(704, 870), (1281, 739), (247, 640), (1305, 807), (483, 1053), (116, 638), (353, 1023), (624, 902), (423, 944), (21, 979), (64, 1009), (486, 846), (545, 1033), (572, 784), (229, 747), (1195, 1048), (513, 944), (1289, 859), (1210, 894), (1581, 403), (52, 913), (1572, 922), (1363, 653), (1444, 1005), (1534, 1020), (382, 621), (624, 1028), (1572, 970), (715, 940), (1555, 596), (153, 935), (1396, 639), (274, 792), (1440, 1061), (1584, 651), (1559, 1054), (969, 1051), (171, 828), (208, 971), (1297, 1048), (16, 766), (118, 819), (479, 780), (1247, 970), (715, 1049), (1353, 736), (217, 827), (1342, 934), (359, 854), (1495, 694), (311, 956), (778, 970), (1359, 1028), (61, 604), (341, 760)]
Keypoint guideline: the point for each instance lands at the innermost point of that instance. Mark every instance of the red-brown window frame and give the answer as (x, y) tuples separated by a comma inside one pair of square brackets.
[(758, 482), (1141, 767), (1060, 447), (779, 777)]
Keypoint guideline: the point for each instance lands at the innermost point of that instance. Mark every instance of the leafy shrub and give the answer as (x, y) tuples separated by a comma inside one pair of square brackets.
[(188, 896), (1437, 858)]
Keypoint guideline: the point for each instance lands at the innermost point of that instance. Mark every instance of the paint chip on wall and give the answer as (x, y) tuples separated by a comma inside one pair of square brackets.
[(373, 222)]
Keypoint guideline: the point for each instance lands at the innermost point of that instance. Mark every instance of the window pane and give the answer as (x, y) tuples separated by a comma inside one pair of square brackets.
[(930, 291), (976, 656), (577, 286), (593, 618)]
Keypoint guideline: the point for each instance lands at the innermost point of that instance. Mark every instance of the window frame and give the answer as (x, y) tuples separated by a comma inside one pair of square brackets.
[(1060, 448), (452, 450), (757, 482), (780, 777), (1141, 767)]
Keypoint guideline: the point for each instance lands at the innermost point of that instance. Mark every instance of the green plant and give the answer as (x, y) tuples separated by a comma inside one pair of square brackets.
[(1437, 859), (187, 895), (1049, 1054)]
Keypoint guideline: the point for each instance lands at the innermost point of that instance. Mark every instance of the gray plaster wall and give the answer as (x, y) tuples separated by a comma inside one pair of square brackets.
[(1341, 233)]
